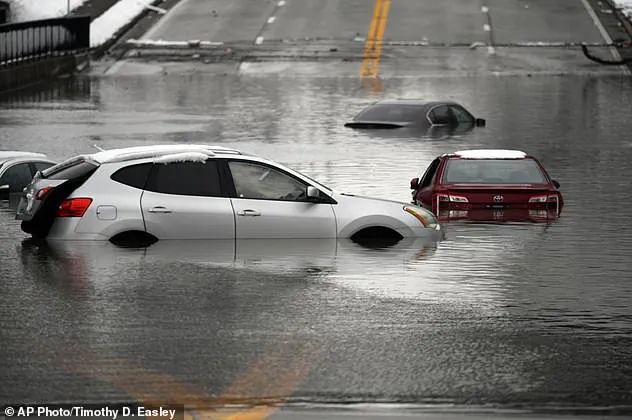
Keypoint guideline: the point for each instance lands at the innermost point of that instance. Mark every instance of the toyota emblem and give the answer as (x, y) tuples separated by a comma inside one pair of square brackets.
[(498, 198)]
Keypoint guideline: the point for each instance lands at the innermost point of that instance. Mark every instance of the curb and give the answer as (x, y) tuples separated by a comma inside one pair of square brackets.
[(618, 27)]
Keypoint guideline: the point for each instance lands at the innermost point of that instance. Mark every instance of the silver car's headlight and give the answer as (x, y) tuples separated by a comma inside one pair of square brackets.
[(426, 219)]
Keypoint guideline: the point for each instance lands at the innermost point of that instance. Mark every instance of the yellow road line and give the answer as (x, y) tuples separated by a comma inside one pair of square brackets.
[(372, 54)]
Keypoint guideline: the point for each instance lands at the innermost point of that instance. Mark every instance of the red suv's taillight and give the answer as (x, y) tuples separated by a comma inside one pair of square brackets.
[(450, 198), (543, 199), (74, 207)]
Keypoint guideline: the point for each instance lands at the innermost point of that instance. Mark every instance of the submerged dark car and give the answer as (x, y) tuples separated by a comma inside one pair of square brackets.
[(415, 114)]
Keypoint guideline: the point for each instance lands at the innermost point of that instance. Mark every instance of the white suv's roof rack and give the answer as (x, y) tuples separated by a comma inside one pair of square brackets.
[(142, 152)]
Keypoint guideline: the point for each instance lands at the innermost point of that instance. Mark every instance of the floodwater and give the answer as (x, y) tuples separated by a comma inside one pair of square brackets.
[(512, 315)]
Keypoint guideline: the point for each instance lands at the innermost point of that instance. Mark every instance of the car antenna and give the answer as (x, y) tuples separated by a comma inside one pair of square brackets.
[(99, 148)]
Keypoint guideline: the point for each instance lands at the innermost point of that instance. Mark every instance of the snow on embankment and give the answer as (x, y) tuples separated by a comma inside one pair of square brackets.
[(22, 10), (102, 28), (626, 6), (117, 16)]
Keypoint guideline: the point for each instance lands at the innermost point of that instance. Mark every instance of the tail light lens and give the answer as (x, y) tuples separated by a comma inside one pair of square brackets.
[(74, 207), (458, 199), (544, 199), (42, 193), (444, 198)]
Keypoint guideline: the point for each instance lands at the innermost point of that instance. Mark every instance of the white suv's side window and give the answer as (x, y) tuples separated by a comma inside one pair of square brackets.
[(253, 180)]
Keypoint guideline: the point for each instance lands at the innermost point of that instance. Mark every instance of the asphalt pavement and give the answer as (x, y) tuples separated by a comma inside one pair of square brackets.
[(403, 38)]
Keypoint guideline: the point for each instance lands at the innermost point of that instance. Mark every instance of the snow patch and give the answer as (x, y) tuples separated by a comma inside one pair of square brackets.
[(10, 154), (163, 43), (183, 157), (109, 23), (22, 10), (491, 154), (625, 6)]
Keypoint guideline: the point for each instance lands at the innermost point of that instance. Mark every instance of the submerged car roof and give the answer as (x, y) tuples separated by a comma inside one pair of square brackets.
[(419, 102), (488, 154)]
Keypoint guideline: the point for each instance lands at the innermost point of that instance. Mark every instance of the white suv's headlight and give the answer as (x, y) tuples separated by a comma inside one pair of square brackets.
[(426, 219)]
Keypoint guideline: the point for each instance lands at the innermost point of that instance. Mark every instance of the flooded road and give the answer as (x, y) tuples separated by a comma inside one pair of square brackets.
[(513, 315)]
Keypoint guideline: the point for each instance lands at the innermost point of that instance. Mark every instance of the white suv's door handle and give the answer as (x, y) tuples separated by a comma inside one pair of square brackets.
[(159, 209), (248, 213)]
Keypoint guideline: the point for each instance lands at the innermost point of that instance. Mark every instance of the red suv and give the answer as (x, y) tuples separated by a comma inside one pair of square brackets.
[(486, 184)]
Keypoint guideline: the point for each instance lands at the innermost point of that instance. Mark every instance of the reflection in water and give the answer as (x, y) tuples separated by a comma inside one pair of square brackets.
[(508, 313), (373, 85)]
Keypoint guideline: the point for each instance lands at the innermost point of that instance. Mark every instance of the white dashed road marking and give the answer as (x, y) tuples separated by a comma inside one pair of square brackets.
[(271, 19), (281, 3), (259, 40)]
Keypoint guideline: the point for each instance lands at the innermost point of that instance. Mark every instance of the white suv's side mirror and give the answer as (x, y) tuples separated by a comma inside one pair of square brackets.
[(312, 192)]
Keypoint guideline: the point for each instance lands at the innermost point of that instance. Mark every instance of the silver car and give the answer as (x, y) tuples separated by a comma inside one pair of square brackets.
[(17, 169), (151, 193)]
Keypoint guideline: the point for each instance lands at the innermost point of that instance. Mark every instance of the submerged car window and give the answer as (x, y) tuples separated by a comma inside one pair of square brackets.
[(17, 177), (441, 115), (134, 175), (79, 169), (462, 116), (496, 171), (253, 180), (186, 178), (391, 113)]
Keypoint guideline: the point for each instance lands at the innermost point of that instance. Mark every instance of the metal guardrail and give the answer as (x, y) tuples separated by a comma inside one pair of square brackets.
[(35, 40)]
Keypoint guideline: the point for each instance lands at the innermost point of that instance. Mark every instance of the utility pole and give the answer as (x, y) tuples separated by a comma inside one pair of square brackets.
[(68, 7)]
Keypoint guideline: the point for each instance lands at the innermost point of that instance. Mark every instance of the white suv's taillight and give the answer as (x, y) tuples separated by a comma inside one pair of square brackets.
[(74, 207)]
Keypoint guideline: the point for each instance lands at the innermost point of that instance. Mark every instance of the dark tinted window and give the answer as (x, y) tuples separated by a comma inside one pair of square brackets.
[(40, 166), (76, 170), (391, 113), (17, 177), (134, 175), (186, 178), (441, 115), (496, 171)]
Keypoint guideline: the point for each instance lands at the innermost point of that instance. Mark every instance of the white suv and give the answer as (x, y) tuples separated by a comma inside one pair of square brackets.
[(152, 193)]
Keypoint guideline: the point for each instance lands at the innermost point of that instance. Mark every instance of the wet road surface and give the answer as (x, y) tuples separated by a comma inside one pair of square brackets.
[(518, 315), (530, 316)]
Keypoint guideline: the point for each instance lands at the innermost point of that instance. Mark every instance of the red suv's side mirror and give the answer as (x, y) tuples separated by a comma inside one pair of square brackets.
[(414, 183)]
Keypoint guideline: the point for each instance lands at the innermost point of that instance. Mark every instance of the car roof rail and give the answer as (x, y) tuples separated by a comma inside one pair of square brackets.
[(144, 152)]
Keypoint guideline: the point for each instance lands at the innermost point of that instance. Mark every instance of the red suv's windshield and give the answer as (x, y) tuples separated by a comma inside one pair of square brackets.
[(496, 171)]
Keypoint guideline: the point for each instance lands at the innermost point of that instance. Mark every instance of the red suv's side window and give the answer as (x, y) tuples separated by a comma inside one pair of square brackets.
[(426, 180)]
